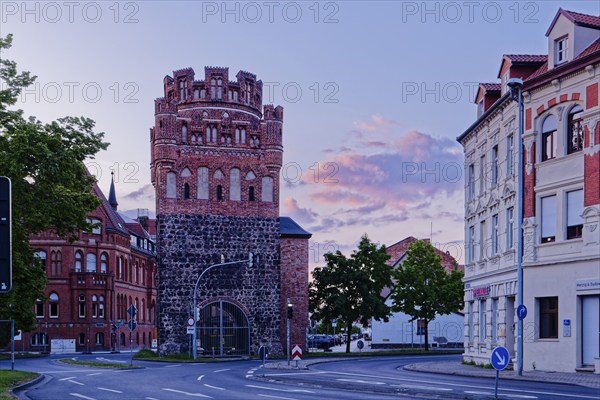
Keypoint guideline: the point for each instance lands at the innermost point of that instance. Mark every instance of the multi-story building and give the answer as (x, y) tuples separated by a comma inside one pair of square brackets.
[(561, 204), (91, 284), (216, 156)]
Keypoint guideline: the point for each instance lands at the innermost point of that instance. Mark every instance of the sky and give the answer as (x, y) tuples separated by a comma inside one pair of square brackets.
[(375, 94)]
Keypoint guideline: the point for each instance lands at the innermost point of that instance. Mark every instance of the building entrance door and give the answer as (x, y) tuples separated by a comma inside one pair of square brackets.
[(590, 328), (223, 329)]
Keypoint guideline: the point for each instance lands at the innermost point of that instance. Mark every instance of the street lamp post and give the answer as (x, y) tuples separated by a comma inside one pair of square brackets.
[(290, 315), (516, 93), (250, 262)]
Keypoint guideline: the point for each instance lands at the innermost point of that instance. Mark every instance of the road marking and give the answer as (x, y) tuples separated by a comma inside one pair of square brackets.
[(102, 359), (171, 366), (519, 396), (297, 373), (276, 397), (150, 398), (78, 383), (213, 387), (187, 393), (109, 390), (360, 381), (81, 396), (465, 386), (280, 390), (200, 378), (66, 379), (97, 373), (222, 370), (477, 392), (423, 387)]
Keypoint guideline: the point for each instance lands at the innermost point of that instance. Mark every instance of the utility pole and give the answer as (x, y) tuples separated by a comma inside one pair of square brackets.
[(290, 315)]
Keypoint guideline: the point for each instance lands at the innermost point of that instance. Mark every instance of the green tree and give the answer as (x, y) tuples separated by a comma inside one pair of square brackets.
[(50, 186), (424, 288), (349, 289)]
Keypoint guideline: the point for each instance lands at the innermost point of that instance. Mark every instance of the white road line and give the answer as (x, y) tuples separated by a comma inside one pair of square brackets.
[(423, 387), (565, 395), (298, 373), (213, 387), (360, 381), (249, 376), (109, 390), (222, 370), (187, 393), (150, 398), (97, 373), (276, 397), (66, 379), (200, 378), (280, 390), (171, 366), (518, 396), (78, 383), (81, 396), (477, 392)]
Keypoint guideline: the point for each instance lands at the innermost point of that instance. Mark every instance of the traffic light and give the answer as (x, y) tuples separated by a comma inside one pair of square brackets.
[(290, 311), (252, 260)]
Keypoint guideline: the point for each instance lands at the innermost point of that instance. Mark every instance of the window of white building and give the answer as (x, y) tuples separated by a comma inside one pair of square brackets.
[(495, 234), (509, 155), (548, 219), (482, 321), (549, 138), (574, 211), (561, 47), (494, 165), (510, 223)]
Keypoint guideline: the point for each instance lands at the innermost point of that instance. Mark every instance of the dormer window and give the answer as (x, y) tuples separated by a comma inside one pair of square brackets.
[(480, 108), (505, 80), (560, 50)]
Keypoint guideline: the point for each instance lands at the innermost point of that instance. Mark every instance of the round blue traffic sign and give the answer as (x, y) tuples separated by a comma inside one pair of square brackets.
[(521, 312), (360, 344), (500, 358)]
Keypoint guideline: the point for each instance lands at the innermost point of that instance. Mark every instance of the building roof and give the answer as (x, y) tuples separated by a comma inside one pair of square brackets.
[(526, 58), (112, 196), (588, 21), (290, 229), (491, 87), (113, 219)]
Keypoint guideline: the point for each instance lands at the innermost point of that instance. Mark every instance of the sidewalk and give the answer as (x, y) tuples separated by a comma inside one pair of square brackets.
[(457, 368)]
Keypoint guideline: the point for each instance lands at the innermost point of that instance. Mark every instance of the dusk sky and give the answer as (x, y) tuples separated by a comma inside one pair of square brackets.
[(375, 94)]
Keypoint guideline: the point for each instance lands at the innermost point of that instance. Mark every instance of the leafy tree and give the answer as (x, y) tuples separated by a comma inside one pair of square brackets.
[(50, 186), (349, 288), (424, 288)]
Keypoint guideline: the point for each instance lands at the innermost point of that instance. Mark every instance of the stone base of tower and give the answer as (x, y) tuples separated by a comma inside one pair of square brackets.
[(187, 245)]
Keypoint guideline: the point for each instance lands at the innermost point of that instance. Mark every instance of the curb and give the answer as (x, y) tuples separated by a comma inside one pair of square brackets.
[(25, 385)]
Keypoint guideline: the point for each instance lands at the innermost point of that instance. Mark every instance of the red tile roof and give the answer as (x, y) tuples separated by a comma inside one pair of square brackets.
[(491, 87), (592, 48), (586, 20), (527, 58)]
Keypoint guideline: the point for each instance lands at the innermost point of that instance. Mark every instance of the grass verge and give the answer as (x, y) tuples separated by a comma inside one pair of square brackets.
[(97, 364), (474, 364), (11, 379), (6, 356), (149, 355), (382, 353)]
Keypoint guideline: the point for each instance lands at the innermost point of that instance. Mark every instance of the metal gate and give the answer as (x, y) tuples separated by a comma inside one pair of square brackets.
[(223, 329)]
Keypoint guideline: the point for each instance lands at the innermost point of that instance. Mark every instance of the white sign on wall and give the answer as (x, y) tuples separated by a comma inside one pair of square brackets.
[(587, 284)]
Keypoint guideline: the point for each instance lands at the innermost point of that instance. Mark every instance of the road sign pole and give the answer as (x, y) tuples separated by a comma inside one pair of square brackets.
[(12, 344), (496, 388)]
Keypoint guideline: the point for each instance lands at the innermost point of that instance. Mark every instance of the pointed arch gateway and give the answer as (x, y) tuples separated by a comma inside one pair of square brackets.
[(223, 329)]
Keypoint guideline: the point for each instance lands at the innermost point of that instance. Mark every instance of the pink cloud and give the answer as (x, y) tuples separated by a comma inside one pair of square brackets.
[(377, 122), (297, 212)]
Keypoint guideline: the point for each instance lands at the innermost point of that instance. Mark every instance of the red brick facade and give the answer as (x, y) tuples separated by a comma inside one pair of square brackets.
[(92, 282), (294, 285)]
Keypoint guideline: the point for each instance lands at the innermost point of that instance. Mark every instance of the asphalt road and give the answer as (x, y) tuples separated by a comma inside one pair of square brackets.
[(374, 378)]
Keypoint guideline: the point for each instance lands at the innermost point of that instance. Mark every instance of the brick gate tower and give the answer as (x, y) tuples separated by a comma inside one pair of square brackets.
[(216, 156)]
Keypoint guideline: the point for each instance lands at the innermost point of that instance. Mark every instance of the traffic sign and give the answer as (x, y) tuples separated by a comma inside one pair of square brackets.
[(334, 322), (521, 312), (191, 321), (132, 324), (132, 311), (190, 330), (500, 358), (360, 344), (5, 235), (296, 352)]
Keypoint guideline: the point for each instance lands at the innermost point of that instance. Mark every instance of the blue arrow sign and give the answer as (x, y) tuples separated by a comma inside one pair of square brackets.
[(500, 358), (521, 312)]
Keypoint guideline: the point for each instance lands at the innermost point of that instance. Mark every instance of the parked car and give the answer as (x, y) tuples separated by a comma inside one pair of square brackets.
[(320, 341)]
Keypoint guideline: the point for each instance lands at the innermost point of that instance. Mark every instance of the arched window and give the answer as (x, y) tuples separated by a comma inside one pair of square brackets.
[(213, 88), (237, 135), (203, 183), (575, 130), (251, 193), (55, 263), (99, 339), (243, 138), (549, 138), (208, 134), (220, 89), (182, 89), (230, 95), (143, 311), (78, 261), (196, 94), (186, 191), (202, 93), (81, 306), (104, 263), (248, 93), (193, 139), (219, 192), (101, 307), (53, 305), (214, 135), (90, 262), (39, 258), (184, 133), (120, 267), (94, 306), (234, 185), (267, 189), (171, 185)]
